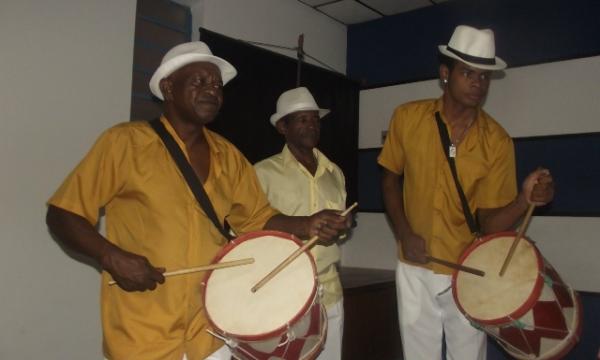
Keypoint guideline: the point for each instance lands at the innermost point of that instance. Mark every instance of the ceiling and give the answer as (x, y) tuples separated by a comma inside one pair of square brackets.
[(350, 12)]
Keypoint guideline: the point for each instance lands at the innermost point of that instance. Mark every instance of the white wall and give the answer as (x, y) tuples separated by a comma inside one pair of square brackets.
[(65, 70), (66, 73), (277, 22), (546, 99), (553, 98)]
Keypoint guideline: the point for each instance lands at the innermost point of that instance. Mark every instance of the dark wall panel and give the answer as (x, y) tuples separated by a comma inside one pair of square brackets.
[(574, 161), (250, 98), (403, 48), (159, 25), (370, 198), (575, 164)]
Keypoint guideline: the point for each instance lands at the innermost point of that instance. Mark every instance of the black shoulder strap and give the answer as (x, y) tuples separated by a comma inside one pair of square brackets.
[(190, 177), (473, 225)]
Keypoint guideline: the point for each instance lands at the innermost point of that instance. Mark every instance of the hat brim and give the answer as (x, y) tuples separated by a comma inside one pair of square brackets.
[(227, 70), (278, 116), (499, 65)]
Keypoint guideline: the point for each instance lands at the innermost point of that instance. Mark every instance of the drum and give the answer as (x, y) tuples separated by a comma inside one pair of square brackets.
[(530, 311), (282, 320)]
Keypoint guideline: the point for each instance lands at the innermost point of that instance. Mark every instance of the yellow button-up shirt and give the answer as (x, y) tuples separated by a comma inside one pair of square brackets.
[(293, 190), (485, 165), (151, 211)]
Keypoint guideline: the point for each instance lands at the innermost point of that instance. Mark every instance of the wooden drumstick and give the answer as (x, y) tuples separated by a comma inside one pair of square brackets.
[(293, 256), (222, 265), (513, 247), (455, 266)]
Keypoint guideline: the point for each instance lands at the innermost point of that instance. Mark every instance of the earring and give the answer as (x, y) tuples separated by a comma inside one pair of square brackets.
[(445, 81)]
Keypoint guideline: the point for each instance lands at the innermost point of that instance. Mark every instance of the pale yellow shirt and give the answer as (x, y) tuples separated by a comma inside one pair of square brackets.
[(485, 164), (151, 211), (293, 190)]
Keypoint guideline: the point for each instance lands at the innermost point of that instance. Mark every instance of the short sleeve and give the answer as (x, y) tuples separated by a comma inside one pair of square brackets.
[(342, 181), (392, 156), (96, 179)]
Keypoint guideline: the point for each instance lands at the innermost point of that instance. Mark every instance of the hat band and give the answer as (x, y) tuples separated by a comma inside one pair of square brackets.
[(471, 58)]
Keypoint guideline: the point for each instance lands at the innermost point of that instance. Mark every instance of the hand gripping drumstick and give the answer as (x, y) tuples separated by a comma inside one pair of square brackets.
[(294, 255), (511, 251), (458, 267), (222, 265)]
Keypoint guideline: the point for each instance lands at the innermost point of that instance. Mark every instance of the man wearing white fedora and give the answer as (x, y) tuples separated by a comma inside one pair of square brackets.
[(153, 221), (427, 215), (302, 181)]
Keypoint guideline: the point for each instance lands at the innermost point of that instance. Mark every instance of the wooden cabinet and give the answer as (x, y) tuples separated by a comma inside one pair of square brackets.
[(371, 330)]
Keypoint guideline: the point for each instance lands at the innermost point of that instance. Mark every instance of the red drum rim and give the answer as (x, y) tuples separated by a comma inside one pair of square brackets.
[(527, 304), (230, 246)]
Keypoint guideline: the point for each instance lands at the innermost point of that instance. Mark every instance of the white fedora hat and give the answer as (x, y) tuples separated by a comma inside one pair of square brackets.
[(184, 54), (474, 47), (298, 99)]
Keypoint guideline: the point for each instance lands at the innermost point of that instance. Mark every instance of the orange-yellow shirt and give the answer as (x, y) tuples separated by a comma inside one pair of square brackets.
[(151, 211), (485, 165)]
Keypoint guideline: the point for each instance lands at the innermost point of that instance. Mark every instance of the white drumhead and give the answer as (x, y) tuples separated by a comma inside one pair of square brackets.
[(235, 309), (493, 296)]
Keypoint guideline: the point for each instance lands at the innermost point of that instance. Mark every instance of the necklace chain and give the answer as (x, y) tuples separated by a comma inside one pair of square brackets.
[(459, 138)]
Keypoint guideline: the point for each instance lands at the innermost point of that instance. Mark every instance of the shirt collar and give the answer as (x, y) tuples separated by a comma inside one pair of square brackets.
[(174, 135), (439, 105), (322, 160), (216, 155), (215, 152)]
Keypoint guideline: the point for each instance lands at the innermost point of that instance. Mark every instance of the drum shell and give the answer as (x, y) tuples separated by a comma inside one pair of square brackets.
[(548, 322), (526, 305), (309, 317)]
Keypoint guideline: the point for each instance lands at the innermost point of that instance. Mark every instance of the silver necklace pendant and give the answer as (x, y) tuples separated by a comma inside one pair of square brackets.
[(452, 151)]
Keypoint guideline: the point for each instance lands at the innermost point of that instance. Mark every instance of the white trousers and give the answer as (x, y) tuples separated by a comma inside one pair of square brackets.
[(428, 315), (335, 330)]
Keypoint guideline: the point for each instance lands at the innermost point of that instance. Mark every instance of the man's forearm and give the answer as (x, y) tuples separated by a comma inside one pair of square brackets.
[(503, 218), (76, 233), (394, 205), (297, 225)]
